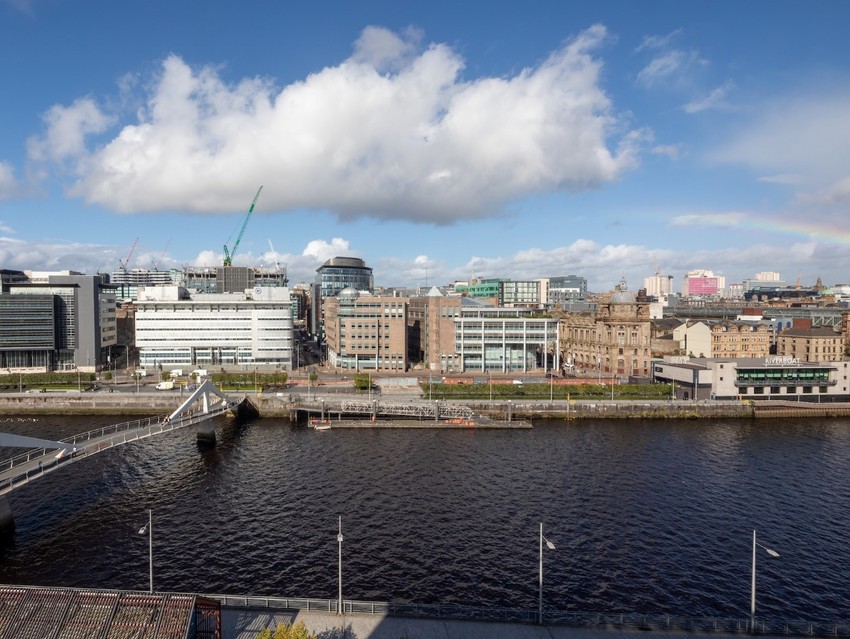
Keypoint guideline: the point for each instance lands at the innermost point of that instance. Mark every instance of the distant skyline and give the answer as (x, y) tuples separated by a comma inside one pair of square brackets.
[(437, 141)]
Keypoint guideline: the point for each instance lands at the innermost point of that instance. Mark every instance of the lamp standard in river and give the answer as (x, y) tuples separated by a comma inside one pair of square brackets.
[(551, 546), (770, 552), (339, 539), (147, 529)]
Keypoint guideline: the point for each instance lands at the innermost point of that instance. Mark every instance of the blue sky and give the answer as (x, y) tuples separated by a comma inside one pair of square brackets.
[(436, 140)]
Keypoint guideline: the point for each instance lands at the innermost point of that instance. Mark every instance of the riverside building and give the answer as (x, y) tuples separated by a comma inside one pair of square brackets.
[(57, 321), (762, 378), (431, 329), (366, 332), (495, 339), (613, 339), (252, 329)]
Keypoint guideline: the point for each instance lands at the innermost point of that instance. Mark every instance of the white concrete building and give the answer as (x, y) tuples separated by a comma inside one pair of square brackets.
[(758, 378), (659, 286), (490, 338), (253, 329)]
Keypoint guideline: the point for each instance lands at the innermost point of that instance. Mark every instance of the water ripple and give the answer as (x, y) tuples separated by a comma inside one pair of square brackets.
[(646, 516)]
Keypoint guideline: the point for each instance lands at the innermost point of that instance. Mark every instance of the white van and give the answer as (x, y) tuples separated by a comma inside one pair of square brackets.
[(165, 385), (201, 372), (177, 372)]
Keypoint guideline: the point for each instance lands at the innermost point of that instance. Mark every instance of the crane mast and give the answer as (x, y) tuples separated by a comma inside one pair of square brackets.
[(229, 253)]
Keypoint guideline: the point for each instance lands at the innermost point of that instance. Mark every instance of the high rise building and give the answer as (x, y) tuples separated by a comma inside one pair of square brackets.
[(335, 275), (658, 286), (702, 283)]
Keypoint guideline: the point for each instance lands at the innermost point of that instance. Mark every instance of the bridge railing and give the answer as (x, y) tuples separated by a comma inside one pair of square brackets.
[(136, 429), (35, 453)]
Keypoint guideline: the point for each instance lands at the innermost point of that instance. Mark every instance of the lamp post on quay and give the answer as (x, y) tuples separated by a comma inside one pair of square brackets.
[(339, 539), (551, 546), (147, 529), (770, 552)]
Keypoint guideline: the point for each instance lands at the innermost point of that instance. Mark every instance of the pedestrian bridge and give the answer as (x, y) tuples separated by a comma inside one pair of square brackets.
[(46, 456)]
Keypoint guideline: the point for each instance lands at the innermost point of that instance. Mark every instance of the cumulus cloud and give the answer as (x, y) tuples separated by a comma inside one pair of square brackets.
[(602, 264), (67, 128), (394, 131)]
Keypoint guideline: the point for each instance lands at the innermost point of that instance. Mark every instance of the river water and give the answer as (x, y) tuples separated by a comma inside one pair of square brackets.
[(646, 516)]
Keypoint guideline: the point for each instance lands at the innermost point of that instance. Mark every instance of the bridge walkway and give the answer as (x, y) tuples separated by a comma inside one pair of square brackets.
[(37, 462)]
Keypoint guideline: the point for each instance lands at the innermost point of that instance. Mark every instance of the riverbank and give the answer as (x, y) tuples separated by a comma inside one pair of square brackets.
[(280, 405)]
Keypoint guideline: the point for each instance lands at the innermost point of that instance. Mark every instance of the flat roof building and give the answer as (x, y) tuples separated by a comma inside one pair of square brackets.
[(249, 329)]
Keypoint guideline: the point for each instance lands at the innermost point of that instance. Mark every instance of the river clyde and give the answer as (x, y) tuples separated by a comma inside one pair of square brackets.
[(646, 516)]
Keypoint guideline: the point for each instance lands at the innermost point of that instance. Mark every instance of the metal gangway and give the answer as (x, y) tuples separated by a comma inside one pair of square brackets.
[(204, 403), (434, 410)]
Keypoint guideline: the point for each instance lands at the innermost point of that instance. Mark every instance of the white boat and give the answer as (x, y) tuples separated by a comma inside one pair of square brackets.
[(326, 426)]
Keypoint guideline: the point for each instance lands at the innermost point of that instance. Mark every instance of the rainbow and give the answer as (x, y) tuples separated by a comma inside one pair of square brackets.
[(822, 232)]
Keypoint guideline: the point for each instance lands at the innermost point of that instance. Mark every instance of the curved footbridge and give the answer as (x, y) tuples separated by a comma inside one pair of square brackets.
[(45, 456)]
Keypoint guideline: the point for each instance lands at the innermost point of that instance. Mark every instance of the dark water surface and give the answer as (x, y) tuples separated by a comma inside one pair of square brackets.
[(647, 516)]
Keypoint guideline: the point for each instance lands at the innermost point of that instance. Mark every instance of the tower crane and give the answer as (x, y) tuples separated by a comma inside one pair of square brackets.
[(228, 254), (126, 262)]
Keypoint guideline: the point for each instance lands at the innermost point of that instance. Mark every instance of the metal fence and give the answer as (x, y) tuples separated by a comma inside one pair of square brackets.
[(606, 621)]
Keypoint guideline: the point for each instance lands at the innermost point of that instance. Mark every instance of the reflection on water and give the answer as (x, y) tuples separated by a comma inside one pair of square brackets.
[(647, 516)]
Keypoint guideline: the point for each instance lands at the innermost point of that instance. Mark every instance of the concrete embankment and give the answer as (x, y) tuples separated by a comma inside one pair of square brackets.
[(88, 403), (280, 404)]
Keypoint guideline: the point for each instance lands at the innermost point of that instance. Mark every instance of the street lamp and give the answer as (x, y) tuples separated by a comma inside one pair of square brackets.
[(770, 552), (551, 546), (339, 539), (147, 529)]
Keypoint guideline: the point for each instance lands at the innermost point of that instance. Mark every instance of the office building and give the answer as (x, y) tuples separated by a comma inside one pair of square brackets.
[(702, 283), (335, 275), (431, 330), (57, 321), (247, 330), (366, 332), (505, 340), (519, 294)]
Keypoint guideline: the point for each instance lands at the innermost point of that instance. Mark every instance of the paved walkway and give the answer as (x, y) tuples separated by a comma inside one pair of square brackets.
[(242, 623)]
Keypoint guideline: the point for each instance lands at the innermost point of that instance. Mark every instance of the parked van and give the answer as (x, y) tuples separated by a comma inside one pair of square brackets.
[(141, 372), (201, 372), (177, 372), (165, 385)]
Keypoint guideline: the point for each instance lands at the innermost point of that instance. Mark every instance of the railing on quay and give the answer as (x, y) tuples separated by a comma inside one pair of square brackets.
[(612, 621)]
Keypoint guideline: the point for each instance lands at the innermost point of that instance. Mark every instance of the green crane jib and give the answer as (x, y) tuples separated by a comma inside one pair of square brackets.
[(228, 254)]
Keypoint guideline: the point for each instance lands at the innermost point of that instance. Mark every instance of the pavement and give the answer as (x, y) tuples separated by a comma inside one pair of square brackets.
[(245, 623)]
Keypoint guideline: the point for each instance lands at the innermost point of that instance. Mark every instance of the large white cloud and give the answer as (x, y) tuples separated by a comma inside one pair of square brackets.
[(394, 131)]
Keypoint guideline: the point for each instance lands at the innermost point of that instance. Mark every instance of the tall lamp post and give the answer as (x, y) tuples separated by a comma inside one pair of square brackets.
[(770, 552), (147, 529), (339, 539), (551, 546)]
